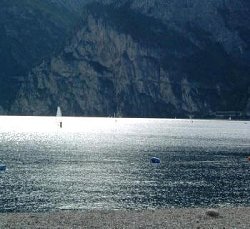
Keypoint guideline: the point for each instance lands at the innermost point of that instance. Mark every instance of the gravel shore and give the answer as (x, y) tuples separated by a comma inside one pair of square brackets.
[(162, 218)]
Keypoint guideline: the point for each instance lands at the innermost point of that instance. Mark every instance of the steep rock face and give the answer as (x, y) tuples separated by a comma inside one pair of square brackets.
[(142, 59), (72, 5), (30, 31)]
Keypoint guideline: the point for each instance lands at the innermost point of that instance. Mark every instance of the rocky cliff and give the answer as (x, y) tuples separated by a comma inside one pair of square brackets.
[(30, 31), (147, 59)]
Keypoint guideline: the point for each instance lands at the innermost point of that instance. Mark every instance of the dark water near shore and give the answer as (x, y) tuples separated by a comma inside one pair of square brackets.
[(98, 163)]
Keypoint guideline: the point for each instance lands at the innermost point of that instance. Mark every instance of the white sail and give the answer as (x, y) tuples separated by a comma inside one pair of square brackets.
[(58, 112)]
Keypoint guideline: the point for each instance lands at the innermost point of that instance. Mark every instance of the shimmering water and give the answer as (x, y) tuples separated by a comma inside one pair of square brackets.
[(104, 163)]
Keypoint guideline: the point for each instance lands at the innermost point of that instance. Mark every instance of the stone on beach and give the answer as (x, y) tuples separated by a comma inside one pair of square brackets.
[(212, 213)]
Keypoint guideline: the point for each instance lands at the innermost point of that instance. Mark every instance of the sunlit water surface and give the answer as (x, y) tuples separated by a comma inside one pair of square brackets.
[(104, 163)]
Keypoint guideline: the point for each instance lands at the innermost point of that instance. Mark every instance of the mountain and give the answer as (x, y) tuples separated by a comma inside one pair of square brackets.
[(30, 31), (144, 59)]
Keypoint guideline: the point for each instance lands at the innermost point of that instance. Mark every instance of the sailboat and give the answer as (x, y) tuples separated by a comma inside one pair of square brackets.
[(59, 114)]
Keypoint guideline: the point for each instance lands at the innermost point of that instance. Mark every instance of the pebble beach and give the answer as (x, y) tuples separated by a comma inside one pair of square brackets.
[(160, 218)]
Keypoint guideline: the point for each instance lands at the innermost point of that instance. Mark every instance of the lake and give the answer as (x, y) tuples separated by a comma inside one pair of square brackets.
[(104, 163)]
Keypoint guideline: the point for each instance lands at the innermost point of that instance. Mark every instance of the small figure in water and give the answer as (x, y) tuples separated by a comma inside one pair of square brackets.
[(60, 124), (2, 167)]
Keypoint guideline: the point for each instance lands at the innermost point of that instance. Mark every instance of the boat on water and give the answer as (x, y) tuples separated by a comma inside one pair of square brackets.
[(59, 114)]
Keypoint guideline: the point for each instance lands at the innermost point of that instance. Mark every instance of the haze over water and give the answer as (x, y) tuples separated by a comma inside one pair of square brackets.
[(104, 163)]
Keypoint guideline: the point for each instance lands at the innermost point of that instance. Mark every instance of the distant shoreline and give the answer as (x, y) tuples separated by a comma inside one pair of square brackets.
[(229, 217), (169, 118)]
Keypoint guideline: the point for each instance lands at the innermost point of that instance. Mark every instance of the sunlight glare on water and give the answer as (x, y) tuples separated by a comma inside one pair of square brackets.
[(104, 163), (52, 124)]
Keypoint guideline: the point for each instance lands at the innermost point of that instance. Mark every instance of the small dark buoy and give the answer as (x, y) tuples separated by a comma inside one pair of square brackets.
[(155, 160), (2, 167)]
